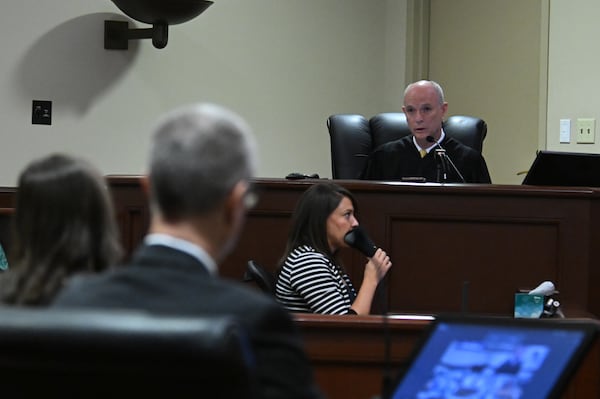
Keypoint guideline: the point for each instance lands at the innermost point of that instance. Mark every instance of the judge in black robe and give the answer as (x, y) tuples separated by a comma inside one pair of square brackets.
[(400, 160), (425, 108)]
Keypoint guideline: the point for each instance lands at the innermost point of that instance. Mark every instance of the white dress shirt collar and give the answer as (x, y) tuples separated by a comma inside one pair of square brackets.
[(442, 136), (183, 246)]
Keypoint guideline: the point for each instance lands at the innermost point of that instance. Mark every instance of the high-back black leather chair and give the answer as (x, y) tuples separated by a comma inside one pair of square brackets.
[(353, 137), (101, 354)]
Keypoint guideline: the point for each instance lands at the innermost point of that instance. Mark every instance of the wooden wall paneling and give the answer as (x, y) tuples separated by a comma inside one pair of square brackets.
[(7, 207), (131, 209)]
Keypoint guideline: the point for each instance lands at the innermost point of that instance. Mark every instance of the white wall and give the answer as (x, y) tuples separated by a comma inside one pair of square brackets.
[(395, 57), (285, 65)]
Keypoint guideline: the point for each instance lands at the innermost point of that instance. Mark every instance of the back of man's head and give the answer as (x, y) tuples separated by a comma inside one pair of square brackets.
[(199, 153)]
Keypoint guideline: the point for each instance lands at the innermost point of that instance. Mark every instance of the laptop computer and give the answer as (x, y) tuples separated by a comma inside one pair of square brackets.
[(495, 357), (552, 168)]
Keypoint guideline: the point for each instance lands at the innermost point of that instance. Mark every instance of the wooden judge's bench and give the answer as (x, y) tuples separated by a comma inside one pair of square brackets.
[(454, 248)]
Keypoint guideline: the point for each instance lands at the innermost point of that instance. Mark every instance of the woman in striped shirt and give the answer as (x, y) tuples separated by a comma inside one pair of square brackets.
[(310, 278)]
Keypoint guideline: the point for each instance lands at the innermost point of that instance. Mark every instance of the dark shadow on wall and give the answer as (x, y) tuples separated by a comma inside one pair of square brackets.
[(69, 64)]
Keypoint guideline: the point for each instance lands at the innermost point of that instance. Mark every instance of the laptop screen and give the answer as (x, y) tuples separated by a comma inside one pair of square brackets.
[(488, 357)]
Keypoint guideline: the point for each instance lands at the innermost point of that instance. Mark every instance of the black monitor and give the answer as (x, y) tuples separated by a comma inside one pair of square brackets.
[(553, 168)]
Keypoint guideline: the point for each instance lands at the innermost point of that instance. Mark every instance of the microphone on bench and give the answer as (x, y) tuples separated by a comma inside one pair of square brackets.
[(445, 159)]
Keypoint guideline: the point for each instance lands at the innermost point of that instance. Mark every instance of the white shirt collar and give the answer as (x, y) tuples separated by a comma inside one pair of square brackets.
[(183, 246), (432, 145)]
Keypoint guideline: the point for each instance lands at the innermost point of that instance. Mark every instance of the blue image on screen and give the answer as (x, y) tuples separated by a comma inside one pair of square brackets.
[(479, 362)]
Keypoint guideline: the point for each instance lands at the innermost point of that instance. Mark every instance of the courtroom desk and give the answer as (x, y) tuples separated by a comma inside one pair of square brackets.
[(348, 354), (493, 239)]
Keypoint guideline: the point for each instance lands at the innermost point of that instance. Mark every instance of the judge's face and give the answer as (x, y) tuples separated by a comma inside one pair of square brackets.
[(424, 112), (341, 221)]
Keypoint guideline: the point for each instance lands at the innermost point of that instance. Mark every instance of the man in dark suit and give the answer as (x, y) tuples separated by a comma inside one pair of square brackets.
[(203, 157)]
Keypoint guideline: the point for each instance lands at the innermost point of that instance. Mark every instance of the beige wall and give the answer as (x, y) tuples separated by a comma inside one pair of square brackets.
[(487, 54), (573, 70), (523, 66), (284, 65)]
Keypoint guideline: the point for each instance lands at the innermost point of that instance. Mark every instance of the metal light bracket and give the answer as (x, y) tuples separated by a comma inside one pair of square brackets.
[(117, 35)]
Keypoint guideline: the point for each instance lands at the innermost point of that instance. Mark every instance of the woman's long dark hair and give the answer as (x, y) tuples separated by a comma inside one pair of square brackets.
[(309, 221), (64, 223)]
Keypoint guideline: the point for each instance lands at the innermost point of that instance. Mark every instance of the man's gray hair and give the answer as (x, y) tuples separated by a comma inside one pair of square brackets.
[(434, 84), (199, 153)]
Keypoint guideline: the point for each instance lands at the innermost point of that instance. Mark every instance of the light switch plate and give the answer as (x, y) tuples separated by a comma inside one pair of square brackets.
[(565, 130)]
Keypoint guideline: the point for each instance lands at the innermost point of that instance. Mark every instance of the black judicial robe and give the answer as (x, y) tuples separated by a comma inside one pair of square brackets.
[(401, 159)]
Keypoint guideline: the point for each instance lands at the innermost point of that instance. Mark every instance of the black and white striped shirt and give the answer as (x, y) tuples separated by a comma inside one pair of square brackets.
[(310, 283)]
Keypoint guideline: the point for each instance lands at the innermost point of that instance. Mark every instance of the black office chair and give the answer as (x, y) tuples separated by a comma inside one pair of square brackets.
[(353, 137), (262, 277), (100, 354)]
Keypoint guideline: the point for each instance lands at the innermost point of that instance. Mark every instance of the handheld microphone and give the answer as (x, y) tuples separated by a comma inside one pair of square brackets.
[(359, 239), (445, 159)]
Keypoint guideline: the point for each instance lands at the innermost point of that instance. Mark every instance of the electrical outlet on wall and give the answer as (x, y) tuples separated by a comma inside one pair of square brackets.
[(41, 112), (586, 130)]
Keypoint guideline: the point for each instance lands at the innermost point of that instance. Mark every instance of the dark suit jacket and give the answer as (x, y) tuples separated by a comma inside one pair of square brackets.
[(163, 280), (400, 158)]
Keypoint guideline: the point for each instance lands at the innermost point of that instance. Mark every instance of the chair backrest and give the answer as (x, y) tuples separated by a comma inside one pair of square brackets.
[(262, 277), (77, 353), (353, 137)]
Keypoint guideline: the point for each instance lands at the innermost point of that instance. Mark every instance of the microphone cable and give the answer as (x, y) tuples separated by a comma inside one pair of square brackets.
[(386, 384)]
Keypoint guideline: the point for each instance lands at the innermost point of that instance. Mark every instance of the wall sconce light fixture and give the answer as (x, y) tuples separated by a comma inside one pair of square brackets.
[(159, 13)]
